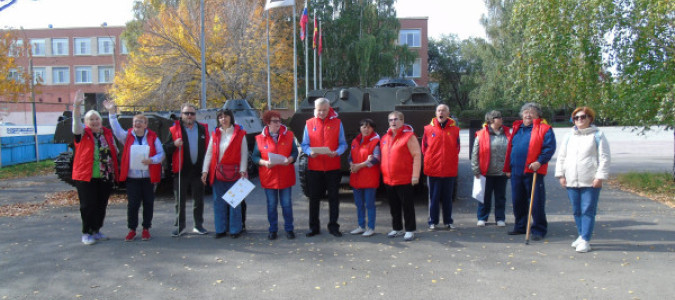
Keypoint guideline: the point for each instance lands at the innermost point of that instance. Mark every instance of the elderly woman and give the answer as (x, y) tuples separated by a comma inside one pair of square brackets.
[(364, 160), (274, 152), (531, 146), (401, 164), (95, 169), (583, 163), (224, 163), (487, 159)]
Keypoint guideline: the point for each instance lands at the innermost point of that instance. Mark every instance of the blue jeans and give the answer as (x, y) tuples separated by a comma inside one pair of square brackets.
[(364, 199), (493, 185), (275, 196), (440, 192), (226, 218), (584, 206)]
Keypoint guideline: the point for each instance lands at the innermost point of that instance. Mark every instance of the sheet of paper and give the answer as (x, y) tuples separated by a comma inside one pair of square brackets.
[(276, 159), (320, 150), (479, 188), (137, 155), (238, 192)]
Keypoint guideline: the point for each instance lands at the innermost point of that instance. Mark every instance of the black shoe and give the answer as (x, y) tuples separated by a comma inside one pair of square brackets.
[(515, 232), (199, 230), (536, 237), (312, 233), (177, 232), (336, 233), (290, 235), (220, 235), (235, 235), (272, 236)]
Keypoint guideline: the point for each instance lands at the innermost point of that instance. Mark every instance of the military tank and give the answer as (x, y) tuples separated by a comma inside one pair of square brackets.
[(354, 104), (159, 122)]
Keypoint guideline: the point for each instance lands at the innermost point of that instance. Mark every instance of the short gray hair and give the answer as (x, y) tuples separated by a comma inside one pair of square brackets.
[(321, 101), (531, 105), (491, 115), (91, 113), (188, 105)]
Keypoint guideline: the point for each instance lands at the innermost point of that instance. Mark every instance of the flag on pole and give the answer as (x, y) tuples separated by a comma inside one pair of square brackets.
[(316, 31), (278, 3), (320, 41), (303, 24)]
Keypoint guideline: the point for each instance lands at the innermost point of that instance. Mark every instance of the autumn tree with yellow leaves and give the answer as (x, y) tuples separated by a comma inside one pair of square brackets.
[(16, 83), (163, 68)]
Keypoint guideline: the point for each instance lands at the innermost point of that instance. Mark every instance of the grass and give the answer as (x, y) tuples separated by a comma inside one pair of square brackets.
[(657, 186), (43, 167)]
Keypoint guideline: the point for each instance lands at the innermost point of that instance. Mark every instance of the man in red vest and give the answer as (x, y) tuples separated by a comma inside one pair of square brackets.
[(323, 141), (187, 145), (440, 148)]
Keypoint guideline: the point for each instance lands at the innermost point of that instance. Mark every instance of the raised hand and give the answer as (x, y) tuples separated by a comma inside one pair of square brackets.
[(79, 98), (109, 105)]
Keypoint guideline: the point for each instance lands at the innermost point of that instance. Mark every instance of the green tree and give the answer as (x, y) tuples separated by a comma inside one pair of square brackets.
[(451, 70)]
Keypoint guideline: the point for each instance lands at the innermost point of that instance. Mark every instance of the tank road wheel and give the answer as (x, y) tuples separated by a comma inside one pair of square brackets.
[(302, 174), (63, 167)]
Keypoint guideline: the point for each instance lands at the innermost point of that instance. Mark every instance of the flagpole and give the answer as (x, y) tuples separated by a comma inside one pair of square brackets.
[(269, 91), (306, 59), (320, 58), (314, 39), (295, 63)]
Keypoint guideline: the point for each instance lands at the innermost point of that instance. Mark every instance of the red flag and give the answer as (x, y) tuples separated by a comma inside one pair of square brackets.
[(316, 31), (303, 24), (320, 41)]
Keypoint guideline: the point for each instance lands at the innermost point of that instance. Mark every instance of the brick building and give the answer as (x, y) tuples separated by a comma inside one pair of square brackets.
[(413, 33)]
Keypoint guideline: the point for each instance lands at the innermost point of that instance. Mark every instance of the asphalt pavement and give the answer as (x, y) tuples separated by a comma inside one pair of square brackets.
[(41, 256)]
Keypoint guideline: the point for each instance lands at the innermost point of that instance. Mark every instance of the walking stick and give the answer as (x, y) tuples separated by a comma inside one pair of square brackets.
[(529, 214), (180, 168)]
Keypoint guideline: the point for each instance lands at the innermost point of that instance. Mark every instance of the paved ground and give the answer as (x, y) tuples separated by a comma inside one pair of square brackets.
[(41, 256)]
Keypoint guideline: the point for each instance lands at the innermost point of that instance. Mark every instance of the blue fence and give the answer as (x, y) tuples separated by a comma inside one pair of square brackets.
[(21, 149)]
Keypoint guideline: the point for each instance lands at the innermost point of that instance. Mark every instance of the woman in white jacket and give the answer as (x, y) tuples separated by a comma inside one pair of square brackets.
[(583, 163)]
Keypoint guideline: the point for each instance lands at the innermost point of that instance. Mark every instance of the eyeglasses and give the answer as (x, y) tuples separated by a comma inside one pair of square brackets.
[(393, 120), (496, 118), (189, 113), (579, 117), (275, 121)]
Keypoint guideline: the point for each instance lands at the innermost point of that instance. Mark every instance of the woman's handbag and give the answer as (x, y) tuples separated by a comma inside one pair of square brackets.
[(227, 172)]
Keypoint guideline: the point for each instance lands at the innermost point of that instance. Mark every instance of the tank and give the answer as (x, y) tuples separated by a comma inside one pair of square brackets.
[(159, 122), (354, 104)]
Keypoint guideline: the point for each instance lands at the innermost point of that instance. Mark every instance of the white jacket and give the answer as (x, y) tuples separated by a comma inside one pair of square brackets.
[(581, 160)]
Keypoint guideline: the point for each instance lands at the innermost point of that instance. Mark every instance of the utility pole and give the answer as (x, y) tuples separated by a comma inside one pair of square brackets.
[(29, 51)]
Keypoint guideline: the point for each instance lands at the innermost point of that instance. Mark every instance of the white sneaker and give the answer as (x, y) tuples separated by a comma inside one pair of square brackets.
[(88, 239), (501, 223), (369, 232), (359, 230), (480, 223), (450, 226), (409, 236), (394, 233), (576, 242), (583, 247), (432, 227), (100, 236)]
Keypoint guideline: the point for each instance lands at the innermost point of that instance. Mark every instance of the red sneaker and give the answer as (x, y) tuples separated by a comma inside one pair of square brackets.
[(130, 236), (145, 235)]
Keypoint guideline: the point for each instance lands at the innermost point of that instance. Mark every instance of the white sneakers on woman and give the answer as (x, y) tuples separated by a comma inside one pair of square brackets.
[(581, 245)]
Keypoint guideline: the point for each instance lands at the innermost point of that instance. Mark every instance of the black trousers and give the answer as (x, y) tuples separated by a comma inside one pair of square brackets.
[(93, 203), (318, 183), (194, 183), (401, 199), (140, 191)]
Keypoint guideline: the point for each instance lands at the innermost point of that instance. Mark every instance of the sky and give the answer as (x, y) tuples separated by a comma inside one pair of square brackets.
[(460, 17)]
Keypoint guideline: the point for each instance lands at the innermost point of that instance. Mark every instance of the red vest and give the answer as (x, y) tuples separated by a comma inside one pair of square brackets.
[(366, 177), (324, 133), (84, 154), (441, 149), (177, 133), (232, 155), (397, 162), (484, 147), (279, 176), (539, 130), (155, 169)]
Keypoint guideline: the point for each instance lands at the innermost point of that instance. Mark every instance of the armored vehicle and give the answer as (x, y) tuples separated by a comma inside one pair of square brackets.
[(354, 104)]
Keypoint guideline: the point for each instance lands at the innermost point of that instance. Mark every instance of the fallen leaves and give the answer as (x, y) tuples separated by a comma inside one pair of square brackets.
[(58, 199)]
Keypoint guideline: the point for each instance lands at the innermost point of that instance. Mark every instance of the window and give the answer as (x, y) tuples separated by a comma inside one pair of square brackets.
[(15, 48), (410, 37), (414, 70), (61, 75), (15, 75), (38, 47), (82, 74), (39, 75), (106, 45), (123, 47), (59, 47), (105, 74), (82, 46)]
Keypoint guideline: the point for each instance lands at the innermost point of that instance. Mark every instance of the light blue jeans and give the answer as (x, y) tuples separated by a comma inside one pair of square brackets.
[(584, 207), (365, 200), (274, 197), (226, 218)]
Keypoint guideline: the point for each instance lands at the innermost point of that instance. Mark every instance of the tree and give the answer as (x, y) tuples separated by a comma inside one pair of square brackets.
[(16, 82), (451, 70)]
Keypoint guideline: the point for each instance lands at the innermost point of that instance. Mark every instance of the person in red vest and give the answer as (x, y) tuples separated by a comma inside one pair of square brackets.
[(401, 164), (531, 146), (274, 152), (225, 162), (141, 168), (323, 141), (487, 159), (95, 169), (364, 160), (186, 145), (440, 148)]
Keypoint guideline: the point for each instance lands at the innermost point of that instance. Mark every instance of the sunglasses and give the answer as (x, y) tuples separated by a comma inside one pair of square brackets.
[(189, 113), (579, 117)]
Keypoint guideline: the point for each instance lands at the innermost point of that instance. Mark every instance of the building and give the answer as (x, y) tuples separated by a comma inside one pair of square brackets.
[(64, 61), (413, 33)]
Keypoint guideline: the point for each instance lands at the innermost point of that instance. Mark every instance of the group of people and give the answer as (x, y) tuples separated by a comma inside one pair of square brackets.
[(220, 158)]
